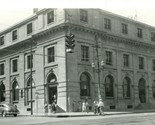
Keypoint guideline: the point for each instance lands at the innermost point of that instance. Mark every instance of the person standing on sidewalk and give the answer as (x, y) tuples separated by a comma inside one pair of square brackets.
[(95, 107), (87, 106), (83, 106), (100, 107)]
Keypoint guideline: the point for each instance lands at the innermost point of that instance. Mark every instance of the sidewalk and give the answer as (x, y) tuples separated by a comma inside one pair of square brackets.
[(83, 114)]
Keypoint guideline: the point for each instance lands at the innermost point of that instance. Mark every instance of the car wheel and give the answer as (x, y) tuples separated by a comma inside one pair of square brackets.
[(3, 114), (15, 115)]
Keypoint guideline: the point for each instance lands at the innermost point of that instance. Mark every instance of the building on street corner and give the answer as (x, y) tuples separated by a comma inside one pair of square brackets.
[(111, 57)]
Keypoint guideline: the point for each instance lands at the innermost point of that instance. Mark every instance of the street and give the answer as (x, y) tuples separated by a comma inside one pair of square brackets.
[(121, 119)]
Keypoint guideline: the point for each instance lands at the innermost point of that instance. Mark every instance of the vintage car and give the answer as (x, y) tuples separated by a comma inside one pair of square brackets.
[(8, 109)]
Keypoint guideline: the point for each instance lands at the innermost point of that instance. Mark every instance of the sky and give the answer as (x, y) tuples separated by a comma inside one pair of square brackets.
[(14, 11)]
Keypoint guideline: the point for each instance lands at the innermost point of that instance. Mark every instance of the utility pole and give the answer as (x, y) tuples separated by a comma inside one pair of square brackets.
[(31, 76), (98, 69)]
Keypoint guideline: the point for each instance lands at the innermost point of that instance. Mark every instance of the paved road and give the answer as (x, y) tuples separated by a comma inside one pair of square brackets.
[(127, 119)]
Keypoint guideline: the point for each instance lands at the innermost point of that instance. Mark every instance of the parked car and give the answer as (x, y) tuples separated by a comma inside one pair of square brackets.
[(8, 109)]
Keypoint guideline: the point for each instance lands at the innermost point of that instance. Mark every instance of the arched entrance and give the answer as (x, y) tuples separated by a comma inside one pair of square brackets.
[(85, 85), (142, 91), (52, 88), (2, 91)]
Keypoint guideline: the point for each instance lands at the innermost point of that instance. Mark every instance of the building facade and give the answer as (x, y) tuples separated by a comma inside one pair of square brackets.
[(33, 56)]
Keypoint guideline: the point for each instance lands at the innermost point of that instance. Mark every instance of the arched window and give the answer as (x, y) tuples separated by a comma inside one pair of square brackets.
[(109, 90), (51, 78), (153, 88), (2, 91), (28, 91), (84, 84), (126, 87), (15, 91)]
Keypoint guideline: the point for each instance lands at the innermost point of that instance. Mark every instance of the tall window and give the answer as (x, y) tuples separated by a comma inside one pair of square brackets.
[(126, 87), (124, 28), (1, 40), (153, 64), (108, 58), (14, 35), (85, 53), (109, 89), (50, 54), (2, 91), (126, 60), (141, 62), (15, 91), (29, 28), (83, 15), (2, 69), (139, 33), (50, 17), (152, 36), (29, 61), (107, 23), (84, 85), (14, 65)]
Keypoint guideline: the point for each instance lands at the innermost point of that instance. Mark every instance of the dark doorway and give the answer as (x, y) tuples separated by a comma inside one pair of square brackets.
[(52, 94), (2, 92), (142, 93)]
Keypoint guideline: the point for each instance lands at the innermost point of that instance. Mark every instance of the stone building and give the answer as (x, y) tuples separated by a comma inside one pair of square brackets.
[(124, 47)]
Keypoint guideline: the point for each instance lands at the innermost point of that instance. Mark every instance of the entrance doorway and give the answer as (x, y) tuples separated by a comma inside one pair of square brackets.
[(52, 88), (52, 94), (142, 91)]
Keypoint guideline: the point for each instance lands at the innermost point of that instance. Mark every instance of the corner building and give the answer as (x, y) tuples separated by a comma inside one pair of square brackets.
[(127, 47)]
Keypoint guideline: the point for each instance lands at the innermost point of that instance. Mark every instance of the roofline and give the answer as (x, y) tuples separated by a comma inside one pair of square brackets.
[(20, 23)]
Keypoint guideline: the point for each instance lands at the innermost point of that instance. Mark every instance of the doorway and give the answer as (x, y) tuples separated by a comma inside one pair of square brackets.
[(142, 91), (52, 94)]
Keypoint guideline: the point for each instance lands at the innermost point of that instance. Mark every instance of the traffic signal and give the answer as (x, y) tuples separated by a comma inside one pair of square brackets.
[(69, 40)]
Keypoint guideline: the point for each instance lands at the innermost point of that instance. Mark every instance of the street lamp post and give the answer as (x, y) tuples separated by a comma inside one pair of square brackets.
[(98, 69)]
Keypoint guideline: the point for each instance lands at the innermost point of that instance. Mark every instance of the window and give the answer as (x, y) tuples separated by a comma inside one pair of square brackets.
[(109, 90), (29, 61), (50, 55), (50, 17), (14, 65), (15, 91), (124, 28), (153, 64), (84, 15), (108, 58), (84, 84), (126, 87), (152, 36), (84, 53), (139, 33), (1, 40), (107, 23), (2, 69), (141, 62), (14, 35), (126, 60), (29, 28)]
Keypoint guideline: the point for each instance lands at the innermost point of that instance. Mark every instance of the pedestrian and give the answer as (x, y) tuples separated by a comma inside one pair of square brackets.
[(54, 107), (87, 106), (95, 107), (83, 106), (100, 107)]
